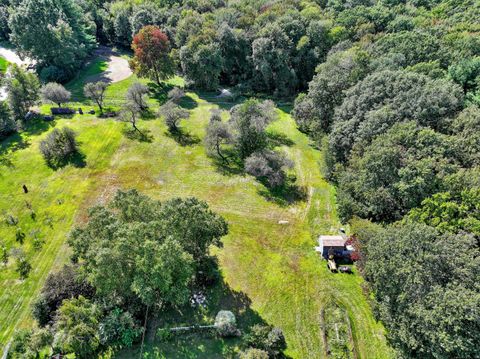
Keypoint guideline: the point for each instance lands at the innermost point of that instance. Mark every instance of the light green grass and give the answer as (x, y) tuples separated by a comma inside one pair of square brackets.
[(3, 65), (272, 267), (94, 67), (55, 196), (275, 266)]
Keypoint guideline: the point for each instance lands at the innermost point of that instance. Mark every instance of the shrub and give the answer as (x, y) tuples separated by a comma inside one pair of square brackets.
[(59, 146), (226, 324), (253, 353), (173, 114), (266, 338), (269, 166), (56, 93), (23, 267), (119, 329)]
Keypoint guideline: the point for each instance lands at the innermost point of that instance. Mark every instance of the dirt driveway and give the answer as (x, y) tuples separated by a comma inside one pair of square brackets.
[(12, 57), (117, 67)]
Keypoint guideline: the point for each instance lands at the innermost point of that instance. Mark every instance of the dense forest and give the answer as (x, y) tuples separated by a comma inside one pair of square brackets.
[(389, 90)]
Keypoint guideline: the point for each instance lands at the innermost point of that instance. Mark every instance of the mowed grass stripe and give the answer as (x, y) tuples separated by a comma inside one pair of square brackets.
[(274, 265), (68, 185)]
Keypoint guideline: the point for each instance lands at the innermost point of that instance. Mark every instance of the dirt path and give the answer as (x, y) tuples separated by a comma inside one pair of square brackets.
[(117, 67), (12, 57)]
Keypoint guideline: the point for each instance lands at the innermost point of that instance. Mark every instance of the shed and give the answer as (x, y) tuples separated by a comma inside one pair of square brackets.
[(328, 243)]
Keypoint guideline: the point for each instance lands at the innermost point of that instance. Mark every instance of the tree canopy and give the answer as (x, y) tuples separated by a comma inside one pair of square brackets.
[(426, 290), (54, 33), (151, 250)]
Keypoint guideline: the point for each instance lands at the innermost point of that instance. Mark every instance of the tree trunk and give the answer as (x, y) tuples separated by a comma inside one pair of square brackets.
[(144, 331), (220, 153)]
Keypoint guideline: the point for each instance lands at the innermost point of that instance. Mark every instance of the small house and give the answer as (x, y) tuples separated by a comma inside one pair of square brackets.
[(331, 244)]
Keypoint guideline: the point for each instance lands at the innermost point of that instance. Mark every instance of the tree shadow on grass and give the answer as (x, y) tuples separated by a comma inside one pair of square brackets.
[(204, 343), (285, 195), (200, 343), (137, 135), (286, 107), (148, 115), (222, 102), (233, 165), (276, 139), (38, 126), (159, 92), (6, 161), (76, 159), (183, 138), (16, 141), (13, 143), (187, 103)]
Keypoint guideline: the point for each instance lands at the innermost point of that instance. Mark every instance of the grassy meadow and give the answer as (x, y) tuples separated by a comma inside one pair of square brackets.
[(271, 272)]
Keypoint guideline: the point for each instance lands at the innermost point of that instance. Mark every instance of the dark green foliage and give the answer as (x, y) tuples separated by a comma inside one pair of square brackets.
[(28, 343), (426, 290), (314, 112), (266, 338), (248, 122), (23, 266), (190, 222), (431, 69), (235, 50), (59, 146), (396, 172), (23, 92), (414, 46), (4, 254), (64, 284), (53, 32), (202, 65), (145, 249), (20, 235), (466, 128), (7, 123), (4, 29), (76, 328), (388, 97), (467, 74), (270, 56), (119, 329), (19, 346)]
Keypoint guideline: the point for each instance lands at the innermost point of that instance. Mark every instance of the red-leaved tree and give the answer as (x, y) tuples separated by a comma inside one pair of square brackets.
[(152, 54)]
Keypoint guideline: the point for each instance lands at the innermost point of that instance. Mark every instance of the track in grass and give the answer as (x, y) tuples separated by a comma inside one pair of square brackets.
[(272, 265)]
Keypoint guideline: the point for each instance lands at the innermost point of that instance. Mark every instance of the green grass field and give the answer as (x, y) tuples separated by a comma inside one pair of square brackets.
[(271, 271), (94, 67)]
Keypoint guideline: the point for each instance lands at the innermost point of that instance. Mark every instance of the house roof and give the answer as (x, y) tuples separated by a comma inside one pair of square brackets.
[(331, 241)]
